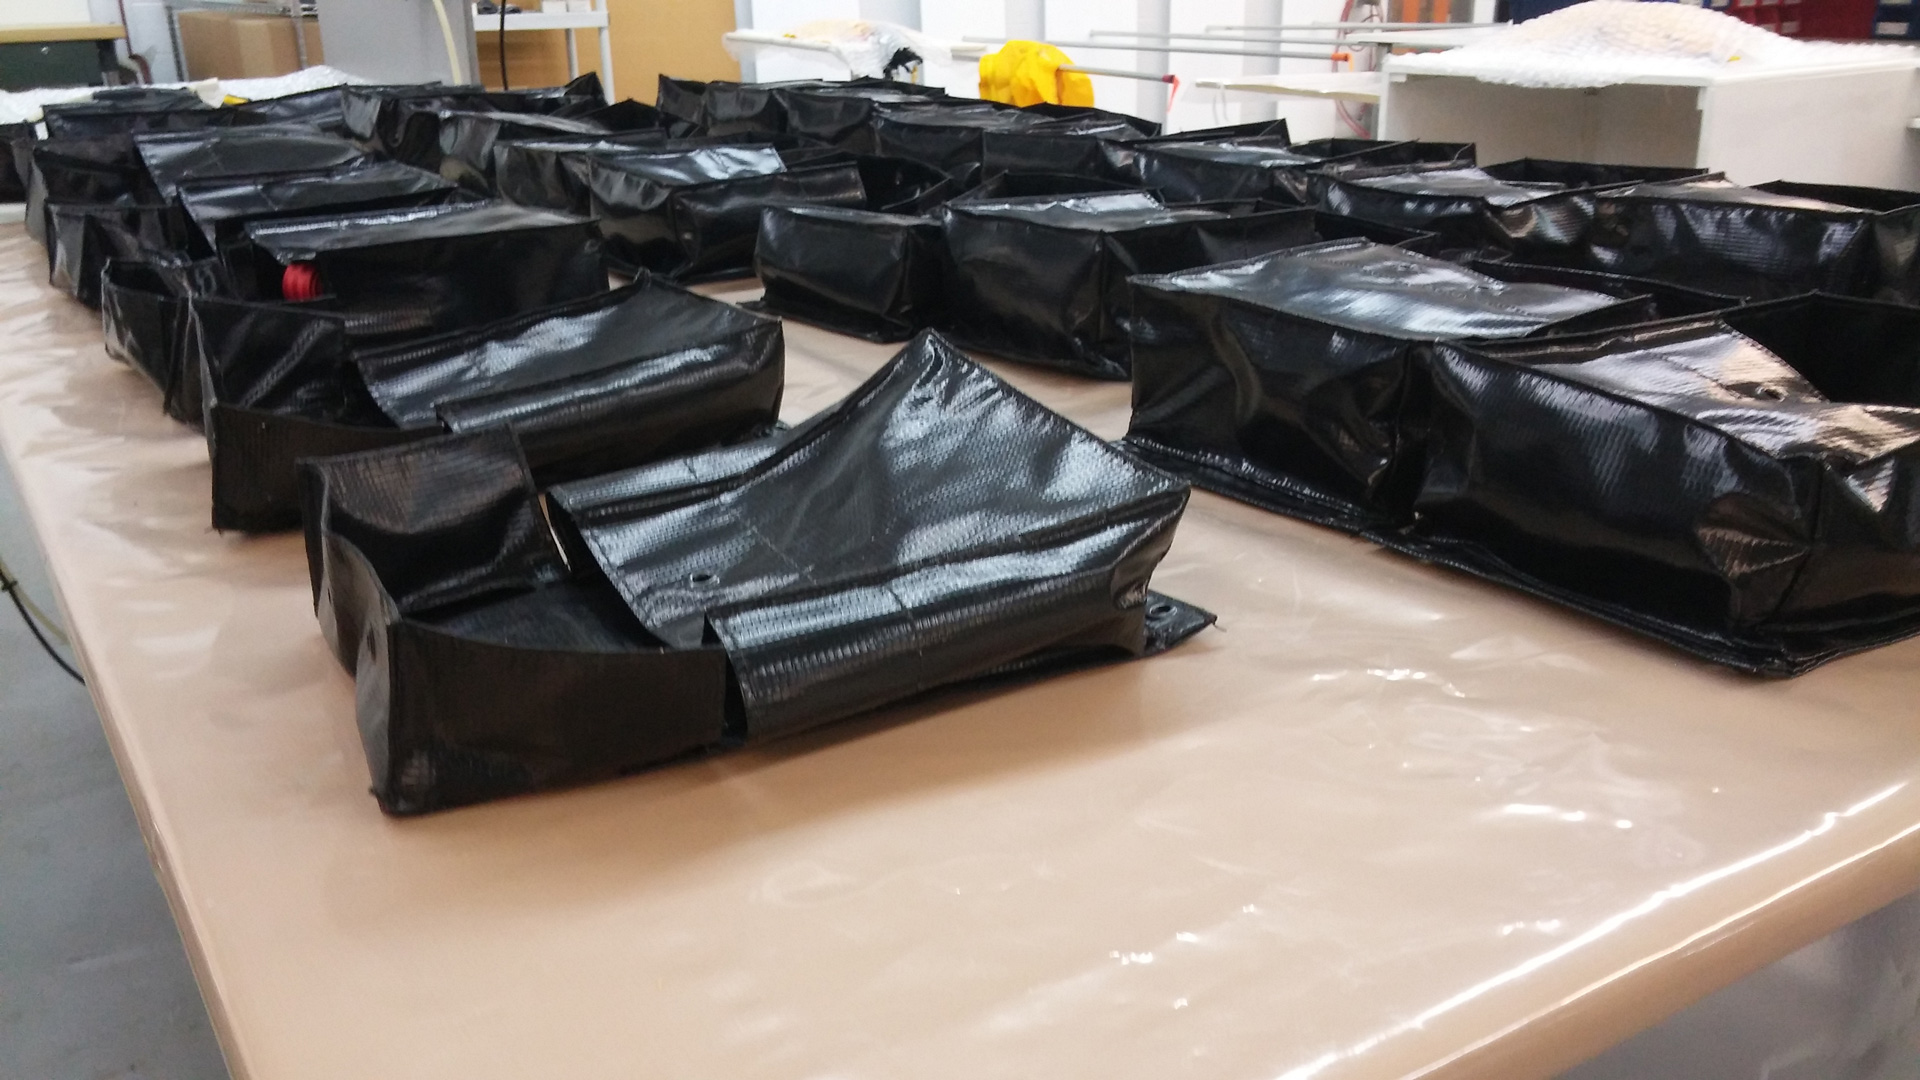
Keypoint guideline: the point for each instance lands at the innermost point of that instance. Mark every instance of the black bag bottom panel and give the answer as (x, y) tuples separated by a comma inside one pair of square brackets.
[(935, 529)]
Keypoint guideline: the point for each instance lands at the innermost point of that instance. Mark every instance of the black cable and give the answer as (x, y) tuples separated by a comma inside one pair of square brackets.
[(12, 588), (503, 46)]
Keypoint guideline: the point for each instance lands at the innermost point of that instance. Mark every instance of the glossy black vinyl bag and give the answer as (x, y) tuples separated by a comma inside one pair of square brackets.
[(696, 213), (403, 122), (1679, 480), (1520, 205), (220, 210), (143, 306), (1761, 242), (161, 110), (464, 153), (601, 382), (452, 265), (13, 178), (728, 597), (176, 157), (1071, 148), (1044, 279), (1269, 167), (554, 173), (325, 108), (1289, 380), (841, 115), (82, 238), (874, 275), (84, 170), (1668, 301), (952, 138)]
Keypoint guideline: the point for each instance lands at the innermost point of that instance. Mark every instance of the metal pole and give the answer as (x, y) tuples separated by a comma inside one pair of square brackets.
[(1230, 39), (900, 12), (1118, 73), (1269, 13), (1026, 21)]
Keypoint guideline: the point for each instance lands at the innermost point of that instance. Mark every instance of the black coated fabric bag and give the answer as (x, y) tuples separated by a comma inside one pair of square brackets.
[(952, 138), (82, 238), (1044, 279), (467, 137), (1682, 481), (143, 306), (1513, 206), (841, 115), (554, 173), (325, 108), (452, 265), (13, 179), (1760, 242), (1669, 301), (403, 122), (695, 213), (220, 210), (174, 158), (602, 382), (156, 109), (84, 170), (874, 275), (1269, 167), (935, 528), (1289, 380)]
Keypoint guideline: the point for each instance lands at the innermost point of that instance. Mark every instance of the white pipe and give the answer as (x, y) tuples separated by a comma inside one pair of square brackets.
[(743, 20), (899, 12), (454, 67), (1263, 13)]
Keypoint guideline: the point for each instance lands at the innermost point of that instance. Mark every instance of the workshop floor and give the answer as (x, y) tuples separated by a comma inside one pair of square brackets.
[(93, 981)]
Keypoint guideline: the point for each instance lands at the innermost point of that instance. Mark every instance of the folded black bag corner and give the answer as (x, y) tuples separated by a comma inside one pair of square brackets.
[(143, 305), (1682, 481), (1268, 166), (728, 597), (1285, 380), (603, 381), (1044, 279)]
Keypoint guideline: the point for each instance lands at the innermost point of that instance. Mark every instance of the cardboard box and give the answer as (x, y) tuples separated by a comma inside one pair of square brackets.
[(228, 45)]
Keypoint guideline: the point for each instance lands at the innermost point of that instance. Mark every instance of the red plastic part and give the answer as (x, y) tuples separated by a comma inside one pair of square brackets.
[(300, 281)]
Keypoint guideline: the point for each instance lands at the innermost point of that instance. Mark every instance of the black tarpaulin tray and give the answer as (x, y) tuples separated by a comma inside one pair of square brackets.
[(1669, 301), (553, 173), (874, 275), (13, 179), (89, 169), (1108, 155), (1682, 481), (727, 597), (175, 157), (457, 264), (694, 213), (600, 382), (220, 210), (842, 115), (1044, 279), (325, 108), (464, 151), (952, 138), (143, 304), (1269, 167), (403, 121), (1761, 242), (1285, 380), (1525, 205), (82, 238), (154, 109)]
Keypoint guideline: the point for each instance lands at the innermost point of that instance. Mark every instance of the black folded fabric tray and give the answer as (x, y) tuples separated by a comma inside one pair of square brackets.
[(1044, 279), (325, 108), (841, 114), (1269, 167), (553, 173), (1290, 381), (1669, 301), (694, 213), (727, 597), (143, 306), (455, 265), (13, 178), (89, 170), (1682, 481), (159, 109), (952, 138), (176, 157), (874, 275), (828, 112), (1760, 242), (1518, 205), (220, 210), (597, 383), (403, 121), (82, 238)]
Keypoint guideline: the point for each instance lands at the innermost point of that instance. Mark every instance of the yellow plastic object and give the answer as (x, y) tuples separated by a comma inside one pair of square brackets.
[(1028, 73)]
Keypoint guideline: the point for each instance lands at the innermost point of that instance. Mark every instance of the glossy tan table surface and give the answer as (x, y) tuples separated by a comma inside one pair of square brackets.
[(1385, 821)]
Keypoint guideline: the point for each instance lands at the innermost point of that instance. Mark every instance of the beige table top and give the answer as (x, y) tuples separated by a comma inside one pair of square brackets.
[(12, 35), (1386, 821)]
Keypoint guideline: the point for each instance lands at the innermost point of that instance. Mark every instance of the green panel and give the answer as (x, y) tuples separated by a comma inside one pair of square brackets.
[(25, 65)]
